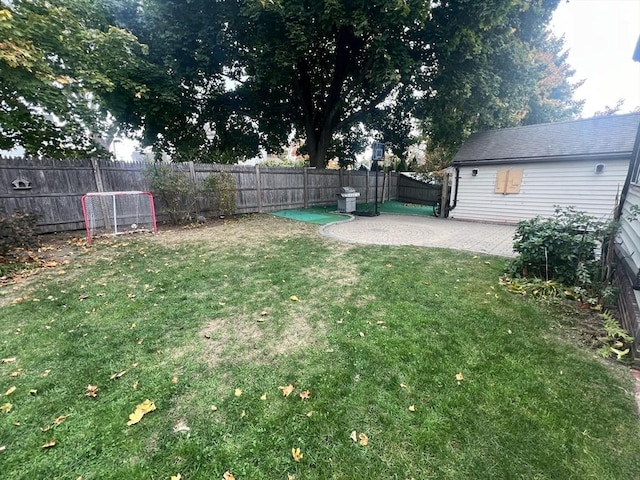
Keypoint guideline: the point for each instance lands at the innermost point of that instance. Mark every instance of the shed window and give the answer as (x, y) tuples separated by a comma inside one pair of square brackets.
[(508, 181)]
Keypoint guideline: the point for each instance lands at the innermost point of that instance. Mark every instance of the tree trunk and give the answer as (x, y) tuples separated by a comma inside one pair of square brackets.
[(318, 141)]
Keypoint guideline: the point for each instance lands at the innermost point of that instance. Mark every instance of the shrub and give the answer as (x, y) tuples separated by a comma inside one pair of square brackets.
[(220, 188), (176, 191), (562, 247), (17, 231)]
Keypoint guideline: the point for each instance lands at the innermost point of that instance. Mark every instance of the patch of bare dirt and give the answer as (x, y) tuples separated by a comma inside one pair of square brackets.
[(244, 339), (247, 230)]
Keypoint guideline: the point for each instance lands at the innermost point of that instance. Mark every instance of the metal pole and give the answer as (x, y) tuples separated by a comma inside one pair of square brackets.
[(375, 163)]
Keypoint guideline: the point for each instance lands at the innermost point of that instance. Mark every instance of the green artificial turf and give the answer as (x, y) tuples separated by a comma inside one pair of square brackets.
[(447, 375)]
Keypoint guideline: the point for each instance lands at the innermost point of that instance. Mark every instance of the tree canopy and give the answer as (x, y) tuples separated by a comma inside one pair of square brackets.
[(222, 79), (57, 59)]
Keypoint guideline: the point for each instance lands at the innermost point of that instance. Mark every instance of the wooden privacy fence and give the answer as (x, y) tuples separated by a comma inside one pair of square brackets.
[(53, 188), (414, 191)]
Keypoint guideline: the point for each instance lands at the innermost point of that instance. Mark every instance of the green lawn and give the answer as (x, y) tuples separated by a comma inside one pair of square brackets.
[(446, 374)]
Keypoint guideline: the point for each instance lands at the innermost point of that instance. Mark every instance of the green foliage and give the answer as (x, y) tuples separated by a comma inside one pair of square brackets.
[(615, 341), (562, 247), (251, 74), (221, 188), (59, 61), (177, 193), (17, 231)]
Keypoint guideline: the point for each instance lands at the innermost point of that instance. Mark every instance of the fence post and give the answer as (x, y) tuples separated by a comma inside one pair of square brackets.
[(366, 192), (97, 174), (192, 171), (258, 189), (305, 183)]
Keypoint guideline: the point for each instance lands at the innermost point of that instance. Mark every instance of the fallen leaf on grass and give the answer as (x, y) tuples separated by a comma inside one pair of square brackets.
[(135, 385), (286, 391), (10, 391), (263, 397), (364, 440), (46, 428), (305, 395), (362, 334), (297, 454), (33, 392), (354, 436), (238, 392), (49, 444), (459, 377), (141, 410), (60, 419), (291, 477), (16, 373), (402, 385), (92, 390), (412, 408), (9, 360), (293, 298), (176, 477), (174, 379), (6, 407), (310, 413), (228, 476), (45, 374), (116, 376), (3, 448)]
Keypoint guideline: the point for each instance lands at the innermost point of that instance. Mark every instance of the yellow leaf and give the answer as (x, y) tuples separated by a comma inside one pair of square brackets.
[(49, 444), (115, 376), (310, 413), (33, 392), (264, 396), (6, 407), (296, 454), (402, 385), (9, 360), (141, 409), (305, 395), (174, 379), (135, 417), (286, 391), (354, 436), (228, 476), (45, 374), (139, 95), (293, 298), (92, 390), (264, 313), (135, 385), (238, 392), (10, 391), (46, 428), (176, 477), (364, 440), (291, 477), (213, 408), (60, 419), (16, 373), (459, 377), (412, 408), (3, 448), (389, 265)]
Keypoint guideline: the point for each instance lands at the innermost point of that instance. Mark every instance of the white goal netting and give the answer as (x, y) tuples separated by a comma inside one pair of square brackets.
[(116, 213)]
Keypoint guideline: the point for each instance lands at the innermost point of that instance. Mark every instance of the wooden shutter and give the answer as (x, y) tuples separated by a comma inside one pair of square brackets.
[(514, 179), (508, 181), (501, 181)]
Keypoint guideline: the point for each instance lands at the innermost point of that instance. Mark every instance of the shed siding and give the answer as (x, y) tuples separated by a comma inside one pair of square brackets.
[(544, 185), (629, 233)]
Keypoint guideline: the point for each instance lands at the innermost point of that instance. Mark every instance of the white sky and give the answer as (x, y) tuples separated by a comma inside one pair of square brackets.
[(601, 36)]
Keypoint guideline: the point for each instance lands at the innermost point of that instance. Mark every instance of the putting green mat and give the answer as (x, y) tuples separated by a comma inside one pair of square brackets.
[(327, 214)]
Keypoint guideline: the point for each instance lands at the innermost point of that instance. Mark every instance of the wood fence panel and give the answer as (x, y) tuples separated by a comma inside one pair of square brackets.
[(415, 191), (56, 186)]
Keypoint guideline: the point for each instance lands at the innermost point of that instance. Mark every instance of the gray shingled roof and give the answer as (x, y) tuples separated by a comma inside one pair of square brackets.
[(564, 140)]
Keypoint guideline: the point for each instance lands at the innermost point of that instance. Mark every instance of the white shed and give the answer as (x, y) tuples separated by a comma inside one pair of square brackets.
[(513, 174)]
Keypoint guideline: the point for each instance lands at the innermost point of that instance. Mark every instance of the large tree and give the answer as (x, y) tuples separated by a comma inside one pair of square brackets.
[(235, 74), (58, 58)]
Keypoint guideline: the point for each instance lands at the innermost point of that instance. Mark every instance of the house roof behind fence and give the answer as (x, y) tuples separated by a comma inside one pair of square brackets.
[(588, 137)]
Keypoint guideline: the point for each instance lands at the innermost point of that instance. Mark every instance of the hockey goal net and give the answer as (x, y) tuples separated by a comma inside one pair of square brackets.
[(117, 213)]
